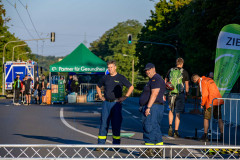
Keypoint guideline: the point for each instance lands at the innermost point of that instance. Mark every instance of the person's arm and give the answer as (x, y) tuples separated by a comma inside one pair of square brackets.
[(154, 94), (187, 87), (130, 90), (100, 93)]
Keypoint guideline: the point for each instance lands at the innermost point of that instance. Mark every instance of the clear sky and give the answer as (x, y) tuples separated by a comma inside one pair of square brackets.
[(71, 20)]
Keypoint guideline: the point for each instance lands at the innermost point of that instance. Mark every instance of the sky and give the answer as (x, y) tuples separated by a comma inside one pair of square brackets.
[(73, 21)]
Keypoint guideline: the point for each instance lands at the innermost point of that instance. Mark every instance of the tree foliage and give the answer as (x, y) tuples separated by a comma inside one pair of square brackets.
[(192, 26), (113, 45), (5, 37)]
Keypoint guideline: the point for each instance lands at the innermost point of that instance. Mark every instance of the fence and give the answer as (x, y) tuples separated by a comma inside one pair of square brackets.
[(117, 152), (90, 91), (230, 113)]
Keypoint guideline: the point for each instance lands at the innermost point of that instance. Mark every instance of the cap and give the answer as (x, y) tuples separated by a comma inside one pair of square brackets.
[(149, 66)]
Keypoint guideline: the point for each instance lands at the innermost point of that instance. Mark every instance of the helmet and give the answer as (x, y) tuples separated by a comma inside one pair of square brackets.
[(169, 86)]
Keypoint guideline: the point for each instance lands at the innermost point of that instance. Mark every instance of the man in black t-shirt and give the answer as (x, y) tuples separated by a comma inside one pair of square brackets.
[(28, 82), (151, 101), (177, 99), (112, 107)]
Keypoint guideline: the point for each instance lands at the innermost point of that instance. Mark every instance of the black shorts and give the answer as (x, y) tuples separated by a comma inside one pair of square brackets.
[(177, 102), (28, 91)]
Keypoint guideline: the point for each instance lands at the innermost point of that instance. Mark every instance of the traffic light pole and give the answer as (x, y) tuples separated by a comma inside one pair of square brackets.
[(165, 44)]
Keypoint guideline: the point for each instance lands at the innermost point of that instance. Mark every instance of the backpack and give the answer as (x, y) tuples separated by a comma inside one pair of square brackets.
[(175, 77)]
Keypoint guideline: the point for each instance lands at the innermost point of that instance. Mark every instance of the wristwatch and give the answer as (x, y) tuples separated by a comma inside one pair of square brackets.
[(148, 107)]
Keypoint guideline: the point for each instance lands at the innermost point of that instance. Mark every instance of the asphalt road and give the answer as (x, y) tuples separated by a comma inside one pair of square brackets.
[(79, 124)]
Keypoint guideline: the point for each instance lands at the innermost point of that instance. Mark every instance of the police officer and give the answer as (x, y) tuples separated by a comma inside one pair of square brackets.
[(112, 107), (152, 101)]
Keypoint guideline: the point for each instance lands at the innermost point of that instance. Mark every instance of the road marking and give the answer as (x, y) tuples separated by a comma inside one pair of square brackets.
[(134, 116), (126, 111), (96, 112), (75, 129), (165, 135)]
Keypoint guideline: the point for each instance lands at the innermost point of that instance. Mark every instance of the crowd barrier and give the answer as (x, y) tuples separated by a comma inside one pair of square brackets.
[(89, 90), (230, 113), (117, 152)]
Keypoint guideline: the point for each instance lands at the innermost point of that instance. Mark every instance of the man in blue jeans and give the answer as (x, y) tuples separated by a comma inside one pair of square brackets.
[(112, 107), (152, 101)]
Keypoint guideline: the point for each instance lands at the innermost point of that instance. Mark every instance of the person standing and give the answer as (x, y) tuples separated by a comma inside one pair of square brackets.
[(35, 88), (69, 82), (209, 91), (75, 85), (180, 79), (211, 75), (152, 101), (112, 107), (43, 90), (17, 89), (28, 82)]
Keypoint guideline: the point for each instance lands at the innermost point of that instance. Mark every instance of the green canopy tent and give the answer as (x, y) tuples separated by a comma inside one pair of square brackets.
[(80, 60)]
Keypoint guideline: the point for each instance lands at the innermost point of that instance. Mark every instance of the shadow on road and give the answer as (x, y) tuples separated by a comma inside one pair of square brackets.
[(52, 139)]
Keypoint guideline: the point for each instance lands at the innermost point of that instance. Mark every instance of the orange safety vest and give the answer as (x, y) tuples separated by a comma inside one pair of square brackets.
[(209, 91)]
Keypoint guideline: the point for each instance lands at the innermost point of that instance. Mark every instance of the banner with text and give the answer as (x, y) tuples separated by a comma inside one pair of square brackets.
[(77, 69), (227, 61)]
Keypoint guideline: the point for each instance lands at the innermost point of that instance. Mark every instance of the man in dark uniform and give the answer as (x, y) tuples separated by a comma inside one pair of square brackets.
[(112, 107), (152, 101)]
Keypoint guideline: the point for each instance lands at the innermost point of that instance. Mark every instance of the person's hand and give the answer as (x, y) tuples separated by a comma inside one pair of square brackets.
[(102, 98), (147, 112), (164, 98), (201, 107), (121, 99)]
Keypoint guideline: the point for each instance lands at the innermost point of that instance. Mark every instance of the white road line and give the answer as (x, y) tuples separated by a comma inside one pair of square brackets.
[(126, 111), (135, 117), (96, 112), (77, 130), (165, 135)]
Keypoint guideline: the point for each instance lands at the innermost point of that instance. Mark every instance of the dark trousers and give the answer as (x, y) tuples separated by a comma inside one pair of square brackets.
[(17, 93), (111, 111), (152, 134)]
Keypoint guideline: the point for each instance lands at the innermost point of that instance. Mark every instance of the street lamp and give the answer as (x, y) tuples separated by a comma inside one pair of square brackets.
[(3, 58), (132, 68), (22, 54), (15, 47)]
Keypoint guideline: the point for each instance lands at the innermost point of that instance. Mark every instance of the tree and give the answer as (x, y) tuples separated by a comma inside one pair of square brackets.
[(192, 26), (113, 45)]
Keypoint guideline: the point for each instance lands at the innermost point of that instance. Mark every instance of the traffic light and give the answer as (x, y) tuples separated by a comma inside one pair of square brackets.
[(52, 37), (129, 38)]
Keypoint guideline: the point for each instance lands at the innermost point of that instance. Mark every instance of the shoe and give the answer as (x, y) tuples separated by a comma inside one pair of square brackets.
[(204, 138), (176, 135), (100, 149), (25, 104), (170, 131), (18, 104)]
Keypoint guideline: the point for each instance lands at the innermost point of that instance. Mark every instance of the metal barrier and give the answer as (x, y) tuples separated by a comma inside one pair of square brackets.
[(230, 113), (117, 152), (89, 90)]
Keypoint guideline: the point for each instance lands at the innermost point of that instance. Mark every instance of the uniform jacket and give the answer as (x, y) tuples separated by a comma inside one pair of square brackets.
[(209, 92)]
